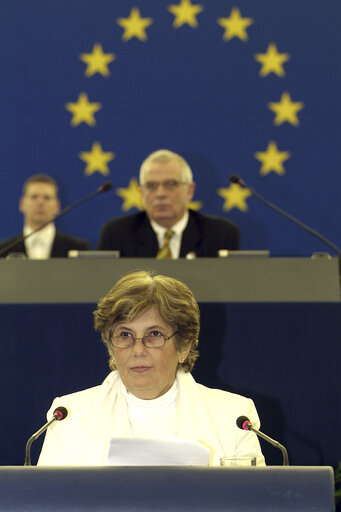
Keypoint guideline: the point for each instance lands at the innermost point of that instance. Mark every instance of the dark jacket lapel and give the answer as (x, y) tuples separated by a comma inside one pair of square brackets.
[(147, 244), (192, 235)]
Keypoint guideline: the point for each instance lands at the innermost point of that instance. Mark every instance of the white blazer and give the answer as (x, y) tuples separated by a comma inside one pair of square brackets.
[(98, 414)]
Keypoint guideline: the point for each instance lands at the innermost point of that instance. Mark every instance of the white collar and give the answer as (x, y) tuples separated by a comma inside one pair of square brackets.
[(39, 244), (164, 401), (178, 228), (48, 231)]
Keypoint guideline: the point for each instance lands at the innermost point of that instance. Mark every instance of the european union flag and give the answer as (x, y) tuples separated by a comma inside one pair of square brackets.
[(90, 88)]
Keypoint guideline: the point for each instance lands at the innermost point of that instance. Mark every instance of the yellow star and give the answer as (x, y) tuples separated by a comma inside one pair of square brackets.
[(131, 196), (96, 159), (185, 12), (195, 205), (272, 159), (235, 25), (286, 110), (134, 26), (272, 61), (235, 197), (97, 61), (83, 111)]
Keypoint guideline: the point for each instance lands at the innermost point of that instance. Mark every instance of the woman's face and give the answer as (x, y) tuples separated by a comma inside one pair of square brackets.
[(147, 372)]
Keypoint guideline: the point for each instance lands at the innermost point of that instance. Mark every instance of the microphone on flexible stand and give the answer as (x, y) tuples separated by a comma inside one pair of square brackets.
[(244, 423), (59, 414), (103, 188), (236, 179)]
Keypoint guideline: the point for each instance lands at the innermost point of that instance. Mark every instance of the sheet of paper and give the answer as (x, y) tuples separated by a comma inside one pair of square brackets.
[(157, 452)]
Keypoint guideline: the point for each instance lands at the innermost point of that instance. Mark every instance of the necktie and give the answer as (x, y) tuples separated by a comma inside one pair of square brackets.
[(164, 252)]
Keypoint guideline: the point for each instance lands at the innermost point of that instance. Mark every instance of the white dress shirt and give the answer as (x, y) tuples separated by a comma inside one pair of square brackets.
[(39, 245)]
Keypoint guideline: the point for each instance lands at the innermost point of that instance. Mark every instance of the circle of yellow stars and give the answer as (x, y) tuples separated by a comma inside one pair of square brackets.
[(185, 13)]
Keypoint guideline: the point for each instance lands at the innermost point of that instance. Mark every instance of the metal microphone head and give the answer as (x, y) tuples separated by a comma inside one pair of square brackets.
[(243, 423), (60, 413), (105, 187)]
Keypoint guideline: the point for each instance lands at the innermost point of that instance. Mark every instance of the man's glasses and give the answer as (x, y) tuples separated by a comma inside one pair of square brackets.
[(152, 186), (126, 340)]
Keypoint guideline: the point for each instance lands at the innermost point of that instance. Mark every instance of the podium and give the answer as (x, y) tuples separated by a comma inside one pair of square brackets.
[(166, 489), (240, 279)]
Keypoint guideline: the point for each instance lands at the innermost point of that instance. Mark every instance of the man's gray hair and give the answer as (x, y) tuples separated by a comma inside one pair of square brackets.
[(165, 155)]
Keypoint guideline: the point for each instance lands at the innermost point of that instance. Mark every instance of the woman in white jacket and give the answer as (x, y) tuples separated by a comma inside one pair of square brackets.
[(150, 326)]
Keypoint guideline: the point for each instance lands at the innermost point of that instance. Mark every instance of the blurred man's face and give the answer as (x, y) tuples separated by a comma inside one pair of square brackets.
[(164, 194), (39, 204)]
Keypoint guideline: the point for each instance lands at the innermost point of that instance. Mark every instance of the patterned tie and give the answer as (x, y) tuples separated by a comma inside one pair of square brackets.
[(164, 252)]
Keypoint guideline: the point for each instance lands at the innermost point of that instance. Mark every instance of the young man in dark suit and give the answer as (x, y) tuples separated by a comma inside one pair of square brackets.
[(167, 228), (38, 204)]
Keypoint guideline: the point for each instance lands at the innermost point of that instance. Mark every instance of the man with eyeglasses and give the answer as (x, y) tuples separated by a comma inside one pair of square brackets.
[(167, 228)]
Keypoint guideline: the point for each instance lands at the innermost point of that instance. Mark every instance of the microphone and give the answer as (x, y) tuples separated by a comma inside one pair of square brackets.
[(107, 185), (236, 179), (59, 414), (103, 188), (244, 423)]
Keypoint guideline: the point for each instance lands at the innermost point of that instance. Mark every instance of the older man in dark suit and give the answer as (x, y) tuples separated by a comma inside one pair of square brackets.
[(39, 203), (167, 228)]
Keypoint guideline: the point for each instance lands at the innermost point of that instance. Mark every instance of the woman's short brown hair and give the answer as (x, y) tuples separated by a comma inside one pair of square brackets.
[(136, 293)]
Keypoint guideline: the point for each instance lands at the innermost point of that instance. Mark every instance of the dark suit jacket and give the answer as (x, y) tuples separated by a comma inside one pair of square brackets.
[(61, 245), (204, 235)]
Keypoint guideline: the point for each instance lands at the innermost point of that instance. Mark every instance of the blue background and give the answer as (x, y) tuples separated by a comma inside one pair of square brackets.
[(185, 89), (285, 356)]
